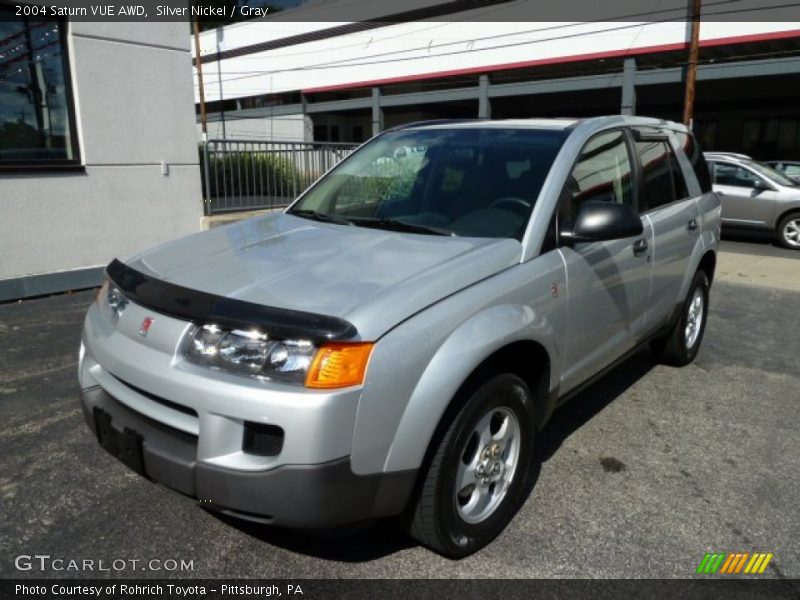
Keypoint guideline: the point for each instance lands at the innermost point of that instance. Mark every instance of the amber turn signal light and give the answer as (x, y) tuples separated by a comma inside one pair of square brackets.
[(339, 364)]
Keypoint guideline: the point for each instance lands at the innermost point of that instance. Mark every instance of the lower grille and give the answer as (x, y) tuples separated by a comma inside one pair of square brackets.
[(168, 403)]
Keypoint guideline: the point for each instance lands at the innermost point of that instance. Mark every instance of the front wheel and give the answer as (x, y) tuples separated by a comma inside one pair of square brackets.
[(680, 347), (789, 231), (480, 470)]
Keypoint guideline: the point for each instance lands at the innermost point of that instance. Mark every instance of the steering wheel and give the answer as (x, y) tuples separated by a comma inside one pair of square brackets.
[(513, 203)]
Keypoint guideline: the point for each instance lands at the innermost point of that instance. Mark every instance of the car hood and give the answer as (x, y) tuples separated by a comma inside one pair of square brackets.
[(373, 278)]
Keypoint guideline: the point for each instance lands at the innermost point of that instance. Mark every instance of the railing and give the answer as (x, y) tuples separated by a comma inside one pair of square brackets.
[(252, 174)]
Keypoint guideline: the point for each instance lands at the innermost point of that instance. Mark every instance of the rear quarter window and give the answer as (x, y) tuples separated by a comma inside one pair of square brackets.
[(657, 176), (695, 155)]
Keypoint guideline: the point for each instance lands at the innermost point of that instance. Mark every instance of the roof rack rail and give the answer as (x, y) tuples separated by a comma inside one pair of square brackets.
[(431, 122), (728, 154)]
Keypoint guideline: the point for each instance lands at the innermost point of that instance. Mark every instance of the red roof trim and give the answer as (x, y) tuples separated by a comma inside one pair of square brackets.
[(740, 39)]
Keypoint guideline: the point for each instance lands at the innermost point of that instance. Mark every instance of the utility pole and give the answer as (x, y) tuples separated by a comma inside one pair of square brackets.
[(199, 65), (691, 71), (220, 32)]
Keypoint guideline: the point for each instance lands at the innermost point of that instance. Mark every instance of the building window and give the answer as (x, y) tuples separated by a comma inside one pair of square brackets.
[(37, 124), (706, 132), (751, 133), (321, 133), (771, 137)]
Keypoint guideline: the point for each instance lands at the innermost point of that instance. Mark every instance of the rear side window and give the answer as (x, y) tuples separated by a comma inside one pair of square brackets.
[(662, 178), (692, 150), (602, 174)]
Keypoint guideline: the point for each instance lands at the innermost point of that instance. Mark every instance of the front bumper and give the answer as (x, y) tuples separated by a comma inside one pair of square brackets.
[(300, 496)]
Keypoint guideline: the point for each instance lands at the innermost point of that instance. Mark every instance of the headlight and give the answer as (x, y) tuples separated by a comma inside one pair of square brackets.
[(111, 299), (289, 361), (250, 353)]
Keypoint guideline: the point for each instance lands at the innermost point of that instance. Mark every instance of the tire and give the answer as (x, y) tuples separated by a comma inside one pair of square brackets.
[(680, 346), (789, 231), (441, 518)]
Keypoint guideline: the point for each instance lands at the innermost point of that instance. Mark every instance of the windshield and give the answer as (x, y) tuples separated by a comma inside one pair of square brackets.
[(772, 174), (480, 182)]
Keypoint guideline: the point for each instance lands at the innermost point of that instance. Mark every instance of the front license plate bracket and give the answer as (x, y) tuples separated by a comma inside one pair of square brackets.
[(125, 445)]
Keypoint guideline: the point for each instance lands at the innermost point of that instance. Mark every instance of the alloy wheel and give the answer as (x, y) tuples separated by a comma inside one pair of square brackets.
[(791, 233), (694, 318), (487, 465)]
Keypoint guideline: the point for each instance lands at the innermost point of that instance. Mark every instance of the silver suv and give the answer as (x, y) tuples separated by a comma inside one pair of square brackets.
[(392, 343), (755, 196)]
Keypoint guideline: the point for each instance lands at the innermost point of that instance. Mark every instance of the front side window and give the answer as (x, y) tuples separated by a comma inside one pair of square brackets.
[(480, 182), (36, 123), (601, 174), (733, 175)]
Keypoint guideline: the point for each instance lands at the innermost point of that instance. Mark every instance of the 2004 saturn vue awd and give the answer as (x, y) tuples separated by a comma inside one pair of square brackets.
[(392, 343)]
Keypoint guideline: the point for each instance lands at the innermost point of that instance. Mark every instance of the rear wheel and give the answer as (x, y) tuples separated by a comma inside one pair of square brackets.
[(480, 470), (681, 345), (789, 231)]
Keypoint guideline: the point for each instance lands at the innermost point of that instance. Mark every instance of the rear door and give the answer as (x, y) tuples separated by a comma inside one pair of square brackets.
[(608, 283), (673, 215)]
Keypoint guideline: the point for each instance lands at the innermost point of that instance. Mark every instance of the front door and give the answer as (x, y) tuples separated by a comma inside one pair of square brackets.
[(744, 203), (608, 283)]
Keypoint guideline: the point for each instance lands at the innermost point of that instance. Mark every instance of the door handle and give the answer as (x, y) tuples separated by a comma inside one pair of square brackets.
[(692, 225), (639, 247)]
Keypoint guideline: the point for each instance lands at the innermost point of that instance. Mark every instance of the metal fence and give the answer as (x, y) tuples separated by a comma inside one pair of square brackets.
[(253, 174)]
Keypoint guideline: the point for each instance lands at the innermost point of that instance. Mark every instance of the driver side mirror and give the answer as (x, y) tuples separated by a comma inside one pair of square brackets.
[(761, 185), (601, 222)]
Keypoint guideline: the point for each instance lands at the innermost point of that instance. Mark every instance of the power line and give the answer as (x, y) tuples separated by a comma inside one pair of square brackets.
[(394, 54), (488, 10), (729, 61), (494, 9), (395, 58)]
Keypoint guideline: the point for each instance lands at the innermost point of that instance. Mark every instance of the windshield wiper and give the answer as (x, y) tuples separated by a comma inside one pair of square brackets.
[(316, 215), (397, 225)]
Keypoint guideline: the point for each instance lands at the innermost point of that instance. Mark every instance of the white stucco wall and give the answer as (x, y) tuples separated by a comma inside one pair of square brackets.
[(284, 128), (134, 109)]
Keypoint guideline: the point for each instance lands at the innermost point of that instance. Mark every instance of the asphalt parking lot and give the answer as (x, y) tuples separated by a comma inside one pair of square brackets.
[(642, 473)]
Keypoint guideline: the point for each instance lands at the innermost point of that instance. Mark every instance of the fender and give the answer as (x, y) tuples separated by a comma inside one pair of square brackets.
[(417, 368), (456, 359)]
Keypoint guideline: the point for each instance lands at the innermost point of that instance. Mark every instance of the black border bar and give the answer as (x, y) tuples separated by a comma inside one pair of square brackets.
[(734, 588), (202, 307)]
